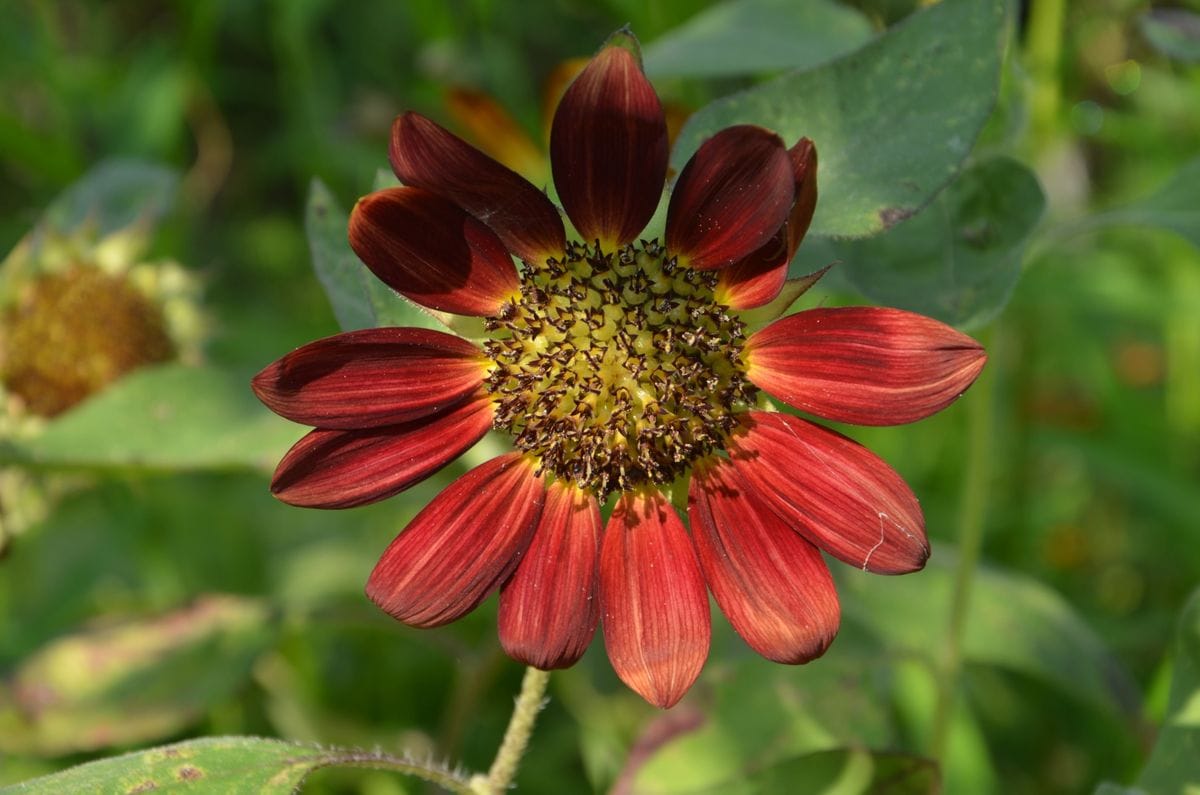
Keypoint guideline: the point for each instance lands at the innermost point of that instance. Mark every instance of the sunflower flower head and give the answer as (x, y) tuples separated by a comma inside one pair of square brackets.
[(630, 369)]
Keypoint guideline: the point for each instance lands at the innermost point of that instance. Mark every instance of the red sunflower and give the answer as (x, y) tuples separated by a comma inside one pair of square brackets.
[(625, 370)]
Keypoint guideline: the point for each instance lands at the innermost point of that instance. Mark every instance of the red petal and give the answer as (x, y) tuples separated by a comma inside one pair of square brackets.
[(428, 156), (655, 607), (548, 610), (756, 280), (771, 583), (428, 249), (803, 157), (372, 377), (344, 469), (864, 365), (833, 491), (461, 546), (731, 198), (608, 147)]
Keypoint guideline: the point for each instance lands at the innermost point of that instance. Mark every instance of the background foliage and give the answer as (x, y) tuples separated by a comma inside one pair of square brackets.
[(1028, 173)]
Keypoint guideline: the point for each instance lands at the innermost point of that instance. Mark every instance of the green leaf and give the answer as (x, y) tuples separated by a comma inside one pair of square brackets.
[(136, 681), (957, 260), (115, 194), (170, 417), (219, 765), (742, 37), (1175, 32), (1013, 623), (892, 122), (1175, 206), (1172, 768), (359, 299)]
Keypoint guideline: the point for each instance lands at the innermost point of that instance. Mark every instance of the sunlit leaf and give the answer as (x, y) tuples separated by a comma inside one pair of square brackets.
[(741, 37), (131, 682), (219, 765), (892, 121), (1013, 623), (170, 417), (957, 260), (1175, 32)]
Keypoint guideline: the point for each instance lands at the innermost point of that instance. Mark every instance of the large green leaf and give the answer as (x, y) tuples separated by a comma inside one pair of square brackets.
[(170, 417), (741, 37), (220, 765), (958, 259), (359, 299), (892, 122), (1174, 206), (1173, 767), (1013, 623), (132, 682)]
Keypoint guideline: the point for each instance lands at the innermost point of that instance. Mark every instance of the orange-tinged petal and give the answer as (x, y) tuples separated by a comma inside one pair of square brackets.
[(608, 147), (863, 365), (497, 133), (428, 156), (771, 583), (548, 608), (833, 491), (344, 469), (429, 249), (371, 377), (462, 546), (652, 598), (731, 198)]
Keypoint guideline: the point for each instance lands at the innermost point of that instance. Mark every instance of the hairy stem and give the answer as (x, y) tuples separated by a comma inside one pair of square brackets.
[(516, 737)]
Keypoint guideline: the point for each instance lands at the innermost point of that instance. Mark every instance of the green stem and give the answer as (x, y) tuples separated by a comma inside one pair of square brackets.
[(516, 737), (971, 515)]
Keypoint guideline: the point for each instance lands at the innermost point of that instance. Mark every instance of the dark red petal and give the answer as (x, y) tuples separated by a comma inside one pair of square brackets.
[(655, 608), (428, 156), (833, 491), (803, 157), (608, 147), (344, 469), (864, 365), (731, 198), (757, 279), (548, 609), (461, 546), (372, 377), (772, 584), (430, 250)]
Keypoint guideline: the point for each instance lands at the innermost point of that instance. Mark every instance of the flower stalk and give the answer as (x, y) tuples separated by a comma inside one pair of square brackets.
[(530, 701)]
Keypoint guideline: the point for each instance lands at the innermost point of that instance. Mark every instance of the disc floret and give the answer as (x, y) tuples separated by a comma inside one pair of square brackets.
[(616, 369)]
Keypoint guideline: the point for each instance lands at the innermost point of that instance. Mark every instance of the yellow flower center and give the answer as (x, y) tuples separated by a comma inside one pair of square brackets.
[(616, 370)]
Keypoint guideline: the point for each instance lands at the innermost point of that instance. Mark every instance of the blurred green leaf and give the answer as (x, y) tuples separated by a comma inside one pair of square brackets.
[(114, 195), (210, 765), (1174, 206), (1175, 32), (892, 122), (170, 417), (136, 681), (1014, 623), (958, 259), (742, 37), (1172, 768), (359, 299)]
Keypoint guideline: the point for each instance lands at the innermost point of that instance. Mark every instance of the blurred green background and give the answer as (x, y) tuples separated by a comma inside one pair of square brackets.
[(1091, 438)]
